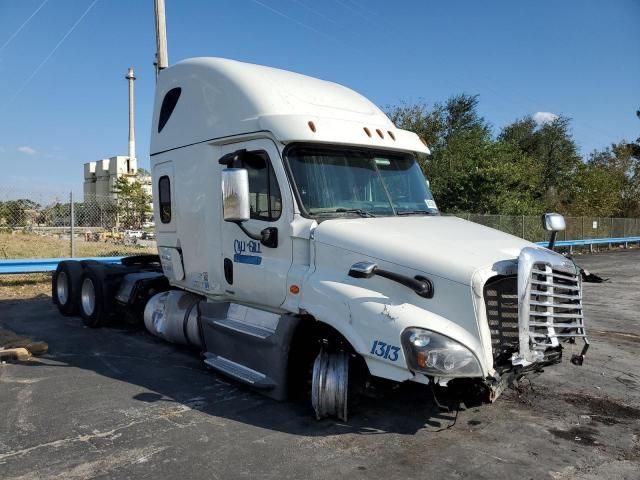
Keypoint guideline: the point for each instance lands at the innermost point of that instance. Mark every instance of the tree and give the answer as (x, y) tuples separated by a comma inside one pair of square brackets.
[(622, 168), (552, 146), (16, 213), (132, 203), (458, 138)]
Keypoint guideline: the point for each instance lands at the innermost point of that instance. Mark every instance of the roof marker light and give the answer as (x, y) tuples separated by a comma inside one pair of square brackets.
[(393, 137), (312, 126), (367, 131), (379, 132)]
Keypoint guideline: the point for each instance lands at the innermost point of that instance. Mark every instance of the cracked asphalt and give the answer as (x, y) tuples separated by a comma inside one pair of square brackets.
[(119, 403)]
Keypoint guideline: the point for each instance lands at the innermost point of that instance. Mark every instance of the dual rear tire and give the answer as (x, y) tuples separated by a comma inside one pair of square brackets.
[(79, 288)]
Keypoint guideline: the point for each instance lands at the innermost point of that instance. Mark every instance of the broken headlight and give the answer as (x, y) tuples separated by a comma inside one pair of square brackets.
[(438, 356)]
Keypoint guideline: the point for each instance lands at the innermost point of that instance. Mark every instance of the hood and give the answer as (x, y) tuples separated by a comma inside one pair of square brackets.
[(447, 247)]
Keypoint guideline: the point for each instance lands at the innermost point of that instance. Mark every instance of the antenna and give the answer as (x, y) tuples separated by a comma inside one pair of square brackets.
[(162, 57)]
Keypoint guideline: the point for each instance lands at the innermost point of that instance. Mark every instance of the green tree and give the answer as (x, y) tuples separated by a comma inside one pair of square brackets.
[(458, 138), (553, 148), (620, 164), (17, 213), (132, 203)]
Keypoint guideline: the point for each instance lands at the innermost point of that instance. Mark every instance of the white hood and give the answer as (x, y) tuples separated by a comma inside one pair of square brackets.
[(447, 247)]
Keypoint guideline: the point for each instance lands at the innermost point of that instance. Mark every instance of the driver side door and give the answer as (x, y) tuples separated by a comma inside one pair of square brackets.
[(256, 274)]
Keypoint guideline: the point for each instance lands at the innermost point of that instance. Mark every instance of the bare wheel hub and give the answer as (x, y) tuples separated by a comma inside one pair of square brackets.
[(329, 388), (88, 296), (62, 288)]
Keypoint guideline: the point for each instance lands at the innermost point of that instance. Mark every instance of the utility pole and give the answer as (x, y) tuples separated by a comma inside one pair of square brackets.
[(132, 134), (72, 224), (162, 57)]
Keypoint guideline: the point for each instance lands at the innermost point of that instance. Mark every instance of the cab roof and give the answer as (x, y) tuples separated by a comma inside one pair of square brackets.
[(210, 98)]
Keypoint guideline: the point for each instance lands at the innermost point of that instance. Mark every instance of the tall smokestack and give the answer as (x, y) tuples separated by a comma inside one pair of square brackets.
[(132, 134)]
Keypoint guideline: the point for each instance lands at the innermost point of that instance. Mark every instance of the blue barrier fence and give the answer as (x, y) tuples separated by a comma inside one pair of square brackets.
[(593, 241), (40, 265)]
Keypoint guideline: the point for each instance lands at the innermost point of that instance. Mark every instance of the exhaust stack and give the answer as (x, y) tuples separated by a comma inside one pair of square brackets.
[(132, 134)]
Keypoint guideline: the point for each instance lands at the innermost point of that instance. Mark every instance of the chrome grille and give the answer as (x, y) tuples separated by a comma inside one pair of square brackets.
[(555, 306), (531, 314), (549, 305)]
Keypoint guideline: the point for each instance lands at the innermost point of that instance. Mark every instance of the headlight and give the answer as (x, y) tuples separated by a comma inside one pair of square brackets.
[(439, 356)]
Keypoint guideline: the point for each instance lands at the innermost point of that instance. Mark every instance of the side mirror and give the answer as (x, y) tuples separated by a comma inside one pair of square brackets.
[(235, 195), (235, 205), (554, 223)]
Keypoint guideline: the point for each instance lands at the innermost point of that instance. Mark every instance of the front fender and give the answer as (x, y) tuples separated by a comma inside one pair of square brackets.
[(366, 317)]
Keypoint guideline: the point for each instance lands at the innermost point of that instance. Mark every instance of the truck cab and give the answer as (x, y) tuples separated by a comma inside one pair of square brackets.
[(297, 233)]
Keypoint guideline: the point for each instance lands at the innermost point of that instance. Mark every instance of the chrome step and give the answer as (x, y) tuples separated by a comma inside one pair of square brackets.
[(237, 371), (245, 328)]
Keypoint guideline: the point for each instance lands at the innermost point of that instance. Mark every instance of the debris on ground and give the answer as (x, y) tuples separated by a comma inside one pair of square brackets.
[(17, 347)]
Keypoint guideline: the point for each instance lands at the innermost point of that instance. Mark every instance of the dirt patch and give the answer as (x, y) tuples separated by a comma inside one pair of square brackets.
[(21, 287), (625, 336), (581, 435), (603, 410)]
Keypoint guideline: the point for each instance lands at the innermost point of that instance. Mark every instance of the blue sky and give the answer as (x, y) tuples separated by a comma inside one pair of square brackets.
[(579, 58)]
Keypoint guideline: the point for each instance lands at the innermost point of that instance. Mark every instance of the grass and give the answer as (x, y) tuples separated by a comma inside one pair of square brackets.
[(25, 245), (38, 285), (25, 286)]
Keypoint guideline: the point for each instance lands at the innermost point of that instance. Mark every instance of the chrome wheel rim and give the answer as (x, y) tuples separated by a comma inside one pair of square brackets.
[(62, 288), (88, 297)]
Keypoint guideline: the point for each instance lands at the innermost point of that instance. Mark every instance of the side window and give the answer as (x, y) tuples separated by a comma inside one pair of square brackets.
[(264, 193), (168, 105), (164, 199)]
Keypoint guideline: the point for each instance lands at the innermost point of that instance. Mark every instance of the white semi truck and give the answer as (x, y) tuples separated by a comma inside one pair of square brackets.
[(298, 240)]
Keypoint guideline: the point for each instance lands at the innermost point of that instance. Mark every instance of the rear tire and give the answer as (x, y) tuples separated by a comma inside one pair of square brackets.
[(65, 287), (92, 302)]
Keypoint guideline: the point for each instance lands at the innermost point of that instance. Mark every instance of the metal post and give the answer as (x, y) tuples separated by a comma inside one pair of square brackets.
[(523, 233), (73, 222), (162, 56)]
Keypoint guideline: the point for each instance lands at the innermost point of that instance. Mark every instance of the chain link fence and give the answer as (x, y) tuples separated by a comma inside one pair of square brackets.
[(56, 225), (578, 228)]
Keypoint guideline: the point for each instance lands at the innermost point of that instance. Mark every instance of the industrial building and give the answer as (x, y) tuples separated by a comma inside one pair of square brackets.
[(100, 176)]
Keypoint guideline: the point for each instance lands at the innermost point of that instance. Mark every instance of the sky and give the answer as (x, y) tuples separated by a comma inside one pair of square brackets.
[(63, 96)]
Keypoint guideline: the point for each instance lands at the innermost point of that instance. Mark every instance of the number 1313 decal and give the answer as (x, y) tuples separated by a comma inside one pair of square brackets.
[(384, 350)]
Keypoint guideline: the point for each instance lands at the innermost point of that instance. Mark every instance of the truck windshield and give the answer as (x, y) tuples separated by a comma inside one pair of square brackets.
[(368, 183)]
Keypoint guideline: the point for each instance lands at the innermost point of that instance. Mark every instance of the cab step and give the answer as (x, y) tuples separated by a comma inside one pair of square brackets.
[(240, 327), (239, 372)]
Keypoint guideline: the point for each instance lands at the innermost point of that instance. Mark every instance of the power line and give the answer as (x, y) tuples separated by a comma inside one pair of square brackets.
[(39, 67), (315, 12), (298, 22), (24, 24)]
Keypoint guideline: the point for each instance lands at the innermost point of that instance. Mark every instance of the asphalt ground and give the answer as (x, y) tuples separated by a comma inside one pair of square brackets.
[(119, 403)]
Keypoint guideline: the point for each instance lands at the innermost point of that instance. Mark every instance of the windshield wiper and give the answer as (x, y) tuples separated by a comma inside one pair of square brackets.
[(358, 211), (414, 212)]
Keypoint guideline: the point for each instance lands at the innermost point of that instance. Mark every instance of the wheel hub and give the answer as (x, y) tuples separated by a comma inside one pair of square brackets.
[(88, 297), (62, 288)]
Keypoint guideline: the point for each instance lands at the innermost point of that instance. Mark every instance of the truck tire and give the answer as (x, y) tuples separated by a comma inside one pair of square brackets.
[(65, 287), (92, 303)]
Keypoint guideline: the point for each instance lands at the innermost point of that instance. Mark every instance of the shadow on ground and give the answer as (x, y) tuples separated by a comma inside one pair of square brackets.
[(174, 375)]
